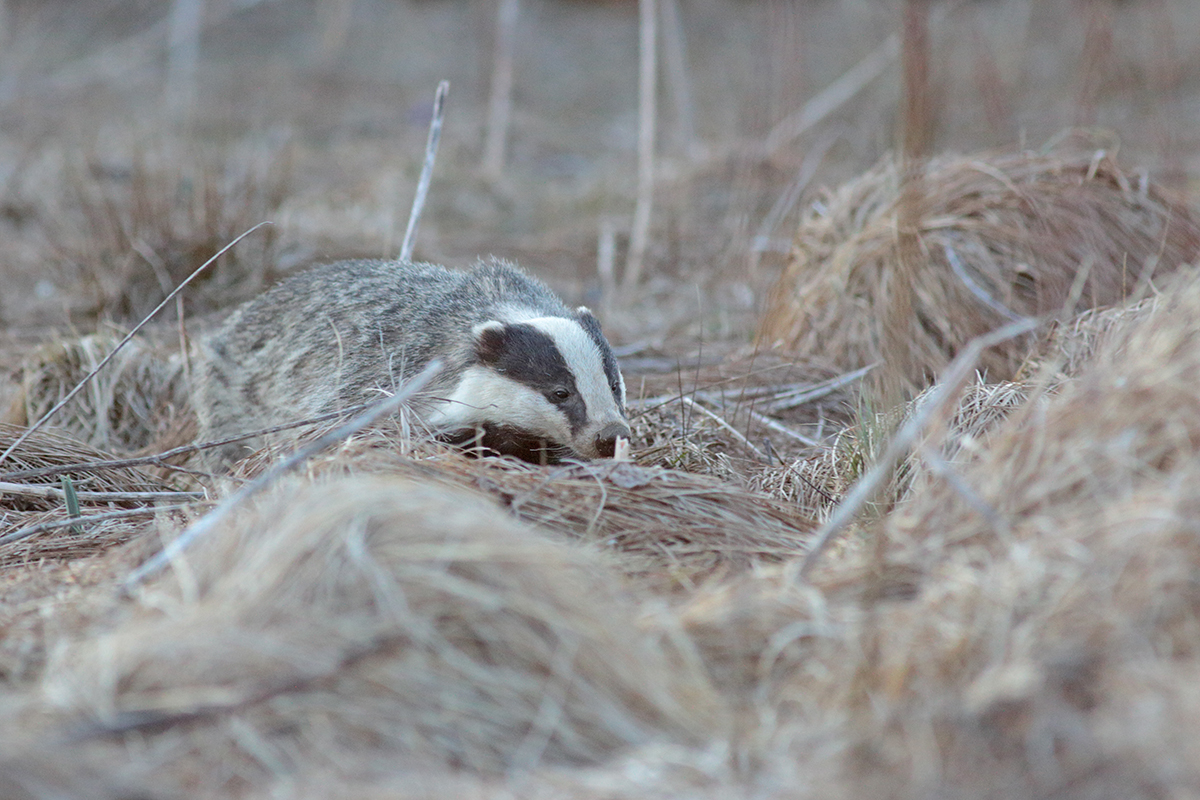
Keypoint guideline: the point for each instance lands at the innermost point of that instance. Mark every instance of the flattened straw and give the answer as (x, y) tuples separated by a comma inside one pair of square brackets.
[(202, 526), (82, 519), (815, 391), (431, 147), (55, 493), (866, 486), (959, 270), (35, 426), (160, 458), (724, 424), (647, 109)]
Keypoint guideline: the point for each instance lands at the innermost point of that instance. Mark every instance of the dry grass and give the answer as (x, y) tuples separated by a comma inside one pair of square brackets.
[(667, 527), (137, 399), (1048, 647), (1025, 234), (377, 620), (129, 232), (817, 482)]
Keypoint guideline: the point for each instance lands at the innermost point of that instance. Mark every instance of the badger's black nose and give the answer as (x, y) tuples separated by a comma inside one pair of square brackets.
[(606, 439)]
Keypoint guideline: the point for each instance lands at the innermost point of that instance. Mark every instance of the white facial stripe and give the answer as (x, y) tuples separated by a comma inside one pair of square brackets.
[(485, 396), (584, 359)]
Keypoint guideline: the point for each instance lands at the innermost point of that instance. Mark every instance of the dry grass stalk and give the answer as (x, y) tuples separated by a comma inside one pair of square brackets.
[(431, 148), (48, 449), (381, 620), (1021, 228)]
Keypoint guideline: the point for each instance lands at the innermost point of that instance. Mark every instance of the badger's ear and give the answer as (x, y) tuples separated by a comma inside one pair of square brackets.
[(587, 319), (491, 339)]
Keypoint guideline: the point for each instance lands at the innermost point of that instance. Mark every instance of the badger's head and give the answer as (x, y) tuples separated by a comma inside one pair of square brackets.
[(540, 389)]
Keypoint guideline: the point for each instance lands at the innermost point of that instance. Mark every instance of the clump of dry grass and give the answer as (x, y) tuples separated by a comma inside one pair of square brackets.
[(137, 397), (667, 526), (46, 448), (1025, 234), (115, 503), (1069, 347), (1032, 625), (376, 620), (126, 235), (816, 483)]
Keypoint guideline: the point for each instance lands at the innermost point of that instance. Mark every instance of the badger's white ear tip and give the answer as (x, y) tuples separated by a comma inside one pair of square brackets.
[(584, 310), (494, 325)]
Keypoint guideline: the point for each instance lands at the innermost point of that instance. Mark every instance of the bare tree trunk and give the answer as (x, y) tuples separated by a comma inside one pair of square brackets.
[(500, 101), (647, 109)]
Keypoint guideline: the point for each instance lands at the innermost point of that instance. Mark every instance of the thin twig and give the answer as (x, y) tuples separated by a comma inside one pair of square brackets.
[(29, 431), (33, 530), (866, 486), (55, 493), (202, 526), (835, 95), (721, 421), (431, 148), (818, 390), (159, 459), (779, 428)]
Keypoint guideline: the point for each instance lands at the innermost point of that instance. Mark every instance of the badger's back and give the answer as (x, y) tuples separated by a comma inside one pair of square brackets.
[(343, 334)]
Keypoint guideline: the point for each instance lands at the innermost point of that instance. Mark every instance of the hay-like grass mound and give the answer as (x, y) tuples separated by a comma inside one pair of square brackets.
[(1030, 629), (137, 397), (657, 523), (906, 271), (376, 622)]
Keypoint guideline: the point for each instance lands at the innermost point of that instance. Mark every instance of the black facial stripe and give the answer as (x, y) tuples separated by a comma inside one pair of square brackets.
[(506, 440), (611, 371), (530, 357)]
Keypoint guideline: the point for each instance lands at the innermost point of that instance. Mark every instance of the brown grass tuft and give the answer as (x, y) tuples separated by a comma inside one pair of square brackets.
[(136, 398), (127, 234), (666, 526), (382, 621), (1047, 646), (997, 233)]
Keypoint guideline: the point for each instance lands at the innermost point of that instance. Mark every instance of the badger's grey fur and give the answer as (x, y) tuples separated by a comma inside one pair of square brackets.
[(523, 374)]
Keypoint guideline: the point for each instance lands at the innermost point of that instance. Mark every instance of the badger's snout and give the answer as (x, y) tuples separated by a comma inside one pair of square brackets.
[(606, 439)]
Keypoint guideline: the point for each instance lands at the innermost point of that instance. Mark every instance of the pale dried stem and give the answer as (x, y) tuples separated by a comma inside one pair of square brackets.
[(431, 148), (54, 493)]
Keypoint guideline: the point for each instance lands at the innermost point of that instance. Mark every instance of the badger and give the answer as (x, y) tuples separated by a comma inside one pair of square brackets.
[(523, 375)]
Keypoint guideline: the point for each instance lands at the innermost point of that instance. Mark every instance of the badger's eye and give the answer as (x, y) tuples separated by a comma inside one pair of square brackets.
[(561, 393)]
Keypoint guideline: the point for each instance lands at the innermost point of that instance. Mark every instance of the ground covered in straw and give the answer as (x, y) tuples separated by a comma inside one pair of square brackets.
[(853, 552)]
